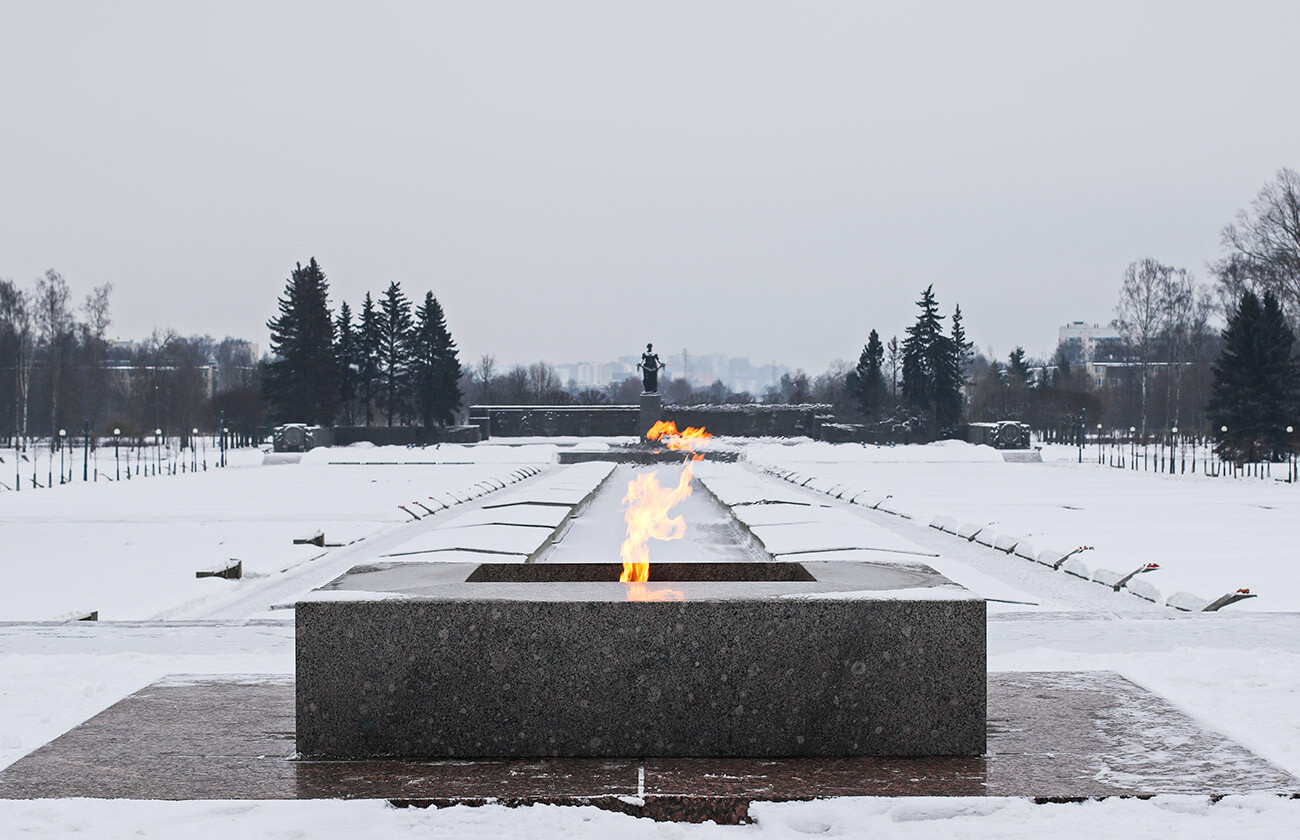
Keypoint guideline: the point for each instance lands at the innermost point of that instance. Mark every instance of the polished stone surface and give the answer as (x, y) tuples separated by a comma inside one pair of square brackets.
[(1058, 735), (707, 659)]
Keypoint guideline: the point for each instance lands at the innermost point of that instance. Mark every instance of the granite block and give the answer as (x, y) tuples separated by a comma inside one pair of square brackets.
[(460, 660)]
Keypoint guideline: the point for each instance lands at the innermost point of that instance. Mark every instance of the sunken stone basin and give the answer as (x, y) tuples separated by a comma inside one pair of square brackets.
[(460, 660)]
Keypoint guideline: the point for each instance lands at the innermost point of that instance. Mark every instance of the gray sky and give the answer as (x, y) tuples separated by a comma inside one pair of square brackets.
[(573, 179)]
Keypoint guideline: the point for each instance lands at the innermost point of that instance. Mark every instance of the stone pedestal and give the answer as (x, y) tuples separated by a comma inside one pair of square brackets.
[(457, 660), (652, 411)]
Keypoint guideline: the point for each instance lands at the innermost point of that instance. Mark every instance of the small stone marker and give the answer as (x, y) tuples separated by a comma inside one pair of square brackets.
[(234, 570), (317, 539), (79, 615)]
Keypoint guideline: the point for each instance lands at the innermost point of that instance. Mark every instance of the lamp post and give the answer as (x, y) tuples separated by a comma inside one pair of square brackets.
[(1223, 433), (85, 451), (1290, 456), (1083, 432), (1173, 433), (1099, 458), (157, 443), (194, 450), (117, 462), (63, 436), (1133, 446)]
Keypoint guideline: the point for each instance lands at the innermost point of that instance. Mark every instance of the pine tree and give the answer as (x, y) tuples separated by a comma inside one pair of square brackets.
[(1255, 381), (345, 350), (301, 384), (960, 344), (931, 373), (866, 382), (435, 368), (1017, 367), (369, 339), (394, 352)]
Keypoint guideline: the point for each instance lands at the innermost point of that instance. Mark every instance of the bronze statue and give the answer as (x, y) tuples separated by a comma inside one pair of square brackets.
[(650, 367)]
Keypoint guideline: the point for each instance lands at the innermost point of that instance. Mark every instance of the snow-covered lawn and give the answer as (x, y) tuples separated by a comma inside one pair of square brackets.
[(130, 549), (1209, 536)]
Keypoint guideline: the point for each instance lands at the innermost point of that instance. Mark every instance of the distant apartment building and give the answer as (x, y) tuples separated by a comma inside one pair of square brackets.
[(1086, 342)]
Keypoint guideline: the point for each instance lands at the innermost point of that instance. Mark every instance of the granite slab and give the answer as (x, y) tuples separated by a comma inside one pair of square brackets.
[(1052, 736)]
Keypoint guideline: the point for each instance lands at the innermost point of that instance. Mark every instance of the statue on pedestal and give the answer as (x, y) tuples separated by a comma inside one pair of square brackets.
[(650, 367)]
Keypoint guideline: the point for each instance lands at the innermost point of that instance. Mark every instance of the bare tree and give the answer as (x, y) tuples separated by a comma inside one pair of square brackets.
[(55, 322), (1140, 315), (17, 330), (484, 372), (1188, 307), (96, 326), (1263, 244), (542, 379)]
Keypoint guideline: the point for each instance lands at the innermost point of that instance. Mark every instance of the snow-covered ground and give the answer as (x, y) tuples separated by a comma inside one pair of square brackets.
[(131, 549), (1210, 536)]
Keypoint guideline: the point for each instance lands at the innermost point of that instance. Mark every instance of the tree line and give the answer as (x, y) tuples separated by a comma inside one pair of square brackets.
[(1172, 368), (386, 364), (59, 371)]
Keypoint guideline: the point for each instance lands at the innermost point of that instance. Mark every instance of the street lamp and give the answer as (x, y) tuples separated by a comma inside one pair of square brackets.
[(85, 451), (194, 450), (63, 436), (157, 443), (1083, 432), (1133, 445), (225, 434), (117, 463)]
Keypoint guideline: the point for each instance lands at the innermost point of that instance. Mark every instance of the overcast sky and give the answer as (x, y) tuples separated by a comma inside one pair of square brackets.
[(572, 180)]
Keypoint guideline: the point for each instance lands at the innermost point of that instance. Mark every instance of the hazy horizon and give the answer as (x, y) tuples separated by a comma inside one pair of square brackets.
[(767, 180)]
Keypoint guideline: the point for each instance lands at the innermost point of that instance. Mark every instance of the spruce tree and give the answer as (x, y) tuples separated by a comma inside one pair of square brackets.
[(931, 371), (369, 339), (345, 350), (435, 368), (301, 384), (962, 347), (1255, 381), (867, 380), (394, 352), (1017, 367)]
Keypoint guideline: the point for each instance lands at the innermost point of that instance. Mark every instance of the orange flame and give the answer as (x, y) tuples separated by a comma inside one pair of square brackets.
[(648, 505), (691, 440), (647, 518)]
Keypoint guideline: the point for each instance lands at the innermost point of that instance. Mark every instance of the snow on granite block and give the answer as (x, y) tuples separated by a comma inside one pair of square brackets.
[(968, 530), (1005, 542), (517, 515), (897, 508), (1187, 601), (803, 537), (1077, 567), (1026, 550), (986, 537), (1145, 589), (488, 539), (944, 523), (1049, 556), (737, 490), (1106, 577), (784, 514), (444, 498)]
